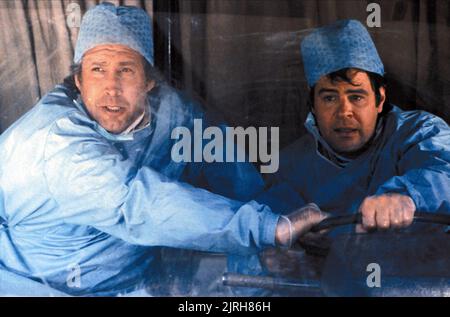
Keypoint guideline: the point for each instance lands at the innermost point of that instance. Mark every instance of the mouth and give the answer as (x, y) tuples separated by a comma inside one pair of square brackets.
[(346, 132), (113, 109)]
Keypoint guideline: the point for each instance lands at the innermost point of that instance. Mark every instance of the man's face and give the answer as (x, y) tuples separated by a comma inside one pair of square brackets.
[(113, 86), (347, 114)]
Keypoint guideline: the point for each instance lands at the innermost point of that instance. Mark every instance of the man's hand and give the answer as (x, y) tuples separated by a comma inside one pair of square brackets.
[(386, 211), (297, 224)]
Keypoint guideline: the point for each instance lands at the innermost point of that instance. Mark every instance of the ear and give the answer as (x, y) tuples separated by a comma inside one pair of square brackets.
[(150, 85), (77, 82), (382, 99), (311, 102)]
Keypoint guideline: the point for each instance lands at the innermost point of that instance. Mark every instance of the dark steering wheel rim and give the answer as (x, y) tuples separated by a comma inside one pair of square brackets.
[(332, 222)]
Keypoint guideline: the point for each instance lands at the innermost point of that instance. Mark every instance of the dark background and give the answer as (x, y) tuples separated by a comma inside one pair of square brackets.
[(238, 57)]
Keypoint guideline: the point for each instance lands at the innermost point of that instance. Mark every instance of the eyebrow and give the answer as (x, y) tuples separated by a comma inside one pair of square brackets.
[(91, 62), (325, 90), (348, 91), (128, 63)]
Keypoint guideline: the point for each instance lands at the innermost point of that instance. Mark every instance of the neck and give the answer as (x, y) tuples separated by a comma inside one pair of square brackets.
[(141, 119), (353, 155)]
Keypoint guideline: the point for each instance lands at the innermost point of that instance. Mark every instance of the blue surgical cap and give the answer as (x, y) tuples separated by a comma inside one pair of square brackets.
[(108, 24), (343, 44)]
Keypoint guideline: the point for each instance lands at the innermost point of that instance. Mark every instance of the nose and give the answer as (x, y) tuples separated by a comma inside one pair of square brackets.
[(345, 108), (112, 85)]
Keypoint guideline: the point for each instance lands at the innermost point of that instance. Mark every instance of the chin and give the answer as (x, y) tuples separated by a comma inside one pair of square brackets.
[(113, 130)]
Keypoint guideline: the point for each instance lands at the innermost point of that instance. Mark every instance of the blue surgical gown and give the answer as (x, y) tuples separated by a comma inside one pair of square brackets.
[(75, 199), (410, 156)]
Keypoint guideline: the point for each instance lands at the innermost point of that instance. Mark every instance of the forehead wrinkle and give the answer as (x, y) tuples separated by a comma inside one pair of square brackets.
[(107, 61), (325, 90), (106, 55)]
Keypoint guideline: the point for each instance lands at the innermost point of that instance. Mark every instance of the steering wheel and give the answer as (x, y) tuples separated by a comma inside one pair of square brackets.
[(331, 222), (322, 246)]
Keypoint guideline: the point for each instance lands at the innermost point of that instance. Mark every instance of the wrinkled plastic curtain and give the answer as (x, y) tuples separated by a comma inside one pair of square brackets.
[(36, 49), (242, 57), (239, 57)]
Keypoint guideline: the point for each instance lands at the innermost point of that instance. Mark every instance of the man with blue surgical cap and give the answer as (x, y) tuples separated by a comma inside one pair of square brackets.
[(89, 192), (362, 154)]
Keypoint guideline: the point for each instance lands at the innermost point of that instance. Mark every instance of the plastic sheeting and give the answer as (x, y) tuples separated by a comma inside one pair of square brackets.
[(240, 57)]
